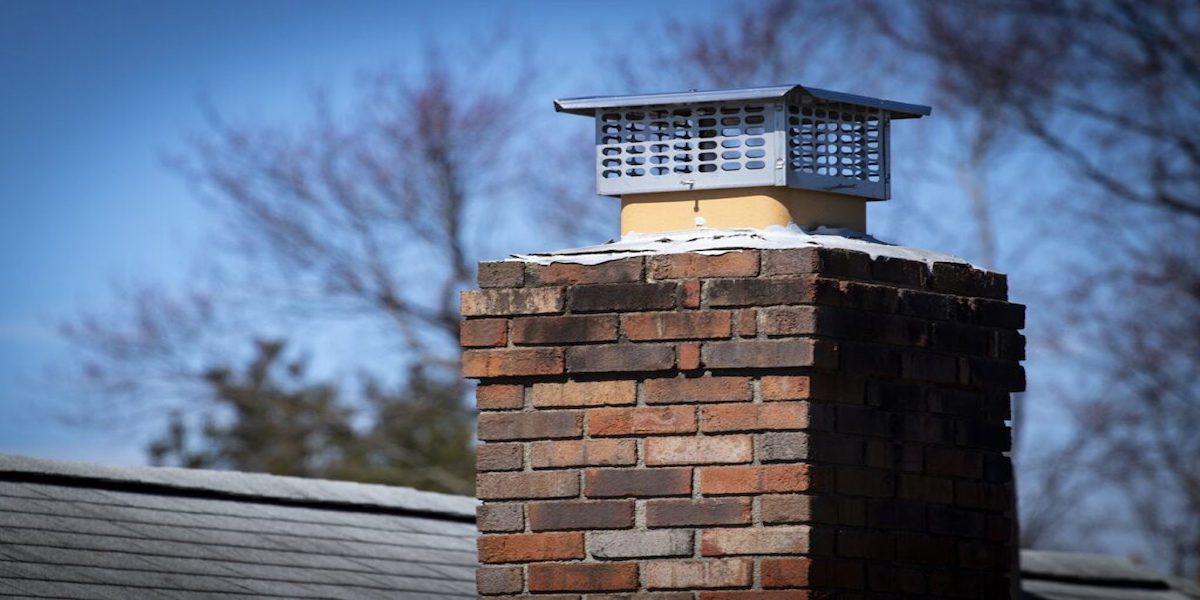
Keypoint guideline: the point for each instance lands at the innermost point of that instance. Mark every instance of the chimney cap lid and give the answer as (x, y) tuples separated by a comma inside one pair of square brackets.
[(587, 106)]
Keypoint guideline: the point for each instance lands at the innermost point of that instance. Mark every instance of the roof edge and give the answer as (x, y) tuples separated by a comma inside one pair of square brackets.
[(233, 485), (586, 106)]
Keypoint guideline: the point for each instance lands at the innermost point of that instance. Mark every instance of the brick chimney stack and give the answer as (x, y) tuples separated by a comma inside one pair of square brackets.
[(803, 422)]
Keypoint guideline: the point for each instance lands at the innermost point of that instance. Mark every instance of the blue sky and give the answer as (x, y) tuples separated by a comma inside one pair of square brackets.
[(94, 94)]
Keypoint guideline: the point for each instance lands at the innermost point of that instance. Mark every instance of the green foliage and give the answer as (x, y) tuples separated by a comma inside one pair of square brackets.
[(269, 417)]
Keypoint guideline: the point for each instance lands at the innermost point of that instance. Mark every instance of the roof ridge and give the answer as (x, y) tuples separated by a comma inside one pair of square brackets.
[(236, 485)]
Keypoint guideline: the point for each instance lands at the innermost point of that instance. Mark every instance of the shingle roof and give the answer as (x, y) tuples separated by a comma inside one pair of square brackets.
[(90, 532), (70, 530), (1048, 575)]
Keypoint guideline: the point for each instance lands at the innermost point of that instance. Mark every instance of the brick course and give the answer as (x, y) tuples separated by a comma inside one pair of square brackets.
[(803, 423)]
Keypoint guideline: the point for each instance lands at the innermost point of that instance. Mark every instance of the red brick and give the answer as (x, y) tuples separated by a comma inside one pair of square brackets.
[(500, 457), (956, 521), (677, 325), (769, 292), (909, 273), (856, 543), (693, 265), (690, 294), (499, 397), (529, 547), (765, 354), (892, 514), (615, 271), (501, 273), (584, 393), (564, 330), (925, 549), (963, 280), (510, 486), (866, 359), (501, 302), (953, 463), (998, 314), (876, 298), (827, 261), (866, 482), (640, 483), (754, 480), (1007, 345), (754, 417), (933, 306), (791, 320), (990, 496), (725, 449), (688, 356), (927, 366), (697, 574), (620, 297), (620, 358), (927, 489), (640, 596), (786, 387), (512, 362), (578, 453), (929, 429), (478, 333), (787, 573), (866, 420), (530, 425), (767, 595), (695, 513), (641, 421), (997, 468), (755, 540), (962, 339), (799, 508), (901, 579), (696, 389), (499, 580), (581, 514), (583, 577), (1000, 375), (746, 323)]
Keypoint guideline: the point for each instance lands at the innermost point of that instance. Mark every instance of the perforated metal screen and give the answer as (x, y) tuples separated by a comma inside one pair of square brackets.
[(672, 148), (797, 141), (837, 147)]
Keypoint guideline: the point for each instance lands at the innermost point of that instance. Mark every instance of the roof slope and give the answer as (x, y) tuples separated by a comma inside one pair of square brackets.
[(89, 532), (1048, 575), (70, 530)]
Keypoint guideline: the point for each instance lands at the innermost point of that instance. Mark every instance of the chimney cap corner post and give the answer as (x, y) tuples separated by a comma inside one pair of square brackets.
[(749, 157)]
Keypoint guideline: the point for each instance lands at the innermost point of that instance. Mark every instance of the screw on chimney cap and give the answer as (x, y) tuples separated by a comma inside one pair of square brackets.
[(785, 136)]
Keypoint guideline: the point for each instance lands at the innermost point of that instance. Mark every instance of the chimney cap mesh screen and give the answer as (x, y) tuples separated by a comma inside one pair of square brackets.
[(782, 136)]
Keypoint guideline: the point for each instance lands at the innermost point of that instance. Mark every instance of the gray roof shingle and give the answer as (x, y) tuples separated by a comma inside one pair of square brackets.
[(1050, 575), (93, 532)]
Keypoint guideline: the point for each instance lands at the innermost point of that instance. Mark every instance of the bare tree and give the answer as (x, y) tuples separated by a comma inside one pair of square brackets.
[(1111, 92), (363, 218), (1056, 113)]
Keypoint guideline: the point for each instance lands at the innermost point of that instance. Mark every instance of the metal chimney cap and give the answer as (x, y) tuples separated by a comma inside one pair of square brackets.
[(587, 106)]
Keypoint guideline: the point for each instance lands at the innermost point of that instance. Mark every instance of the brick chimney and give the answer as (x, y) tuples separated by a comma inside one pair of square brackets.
[(694, 419)]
